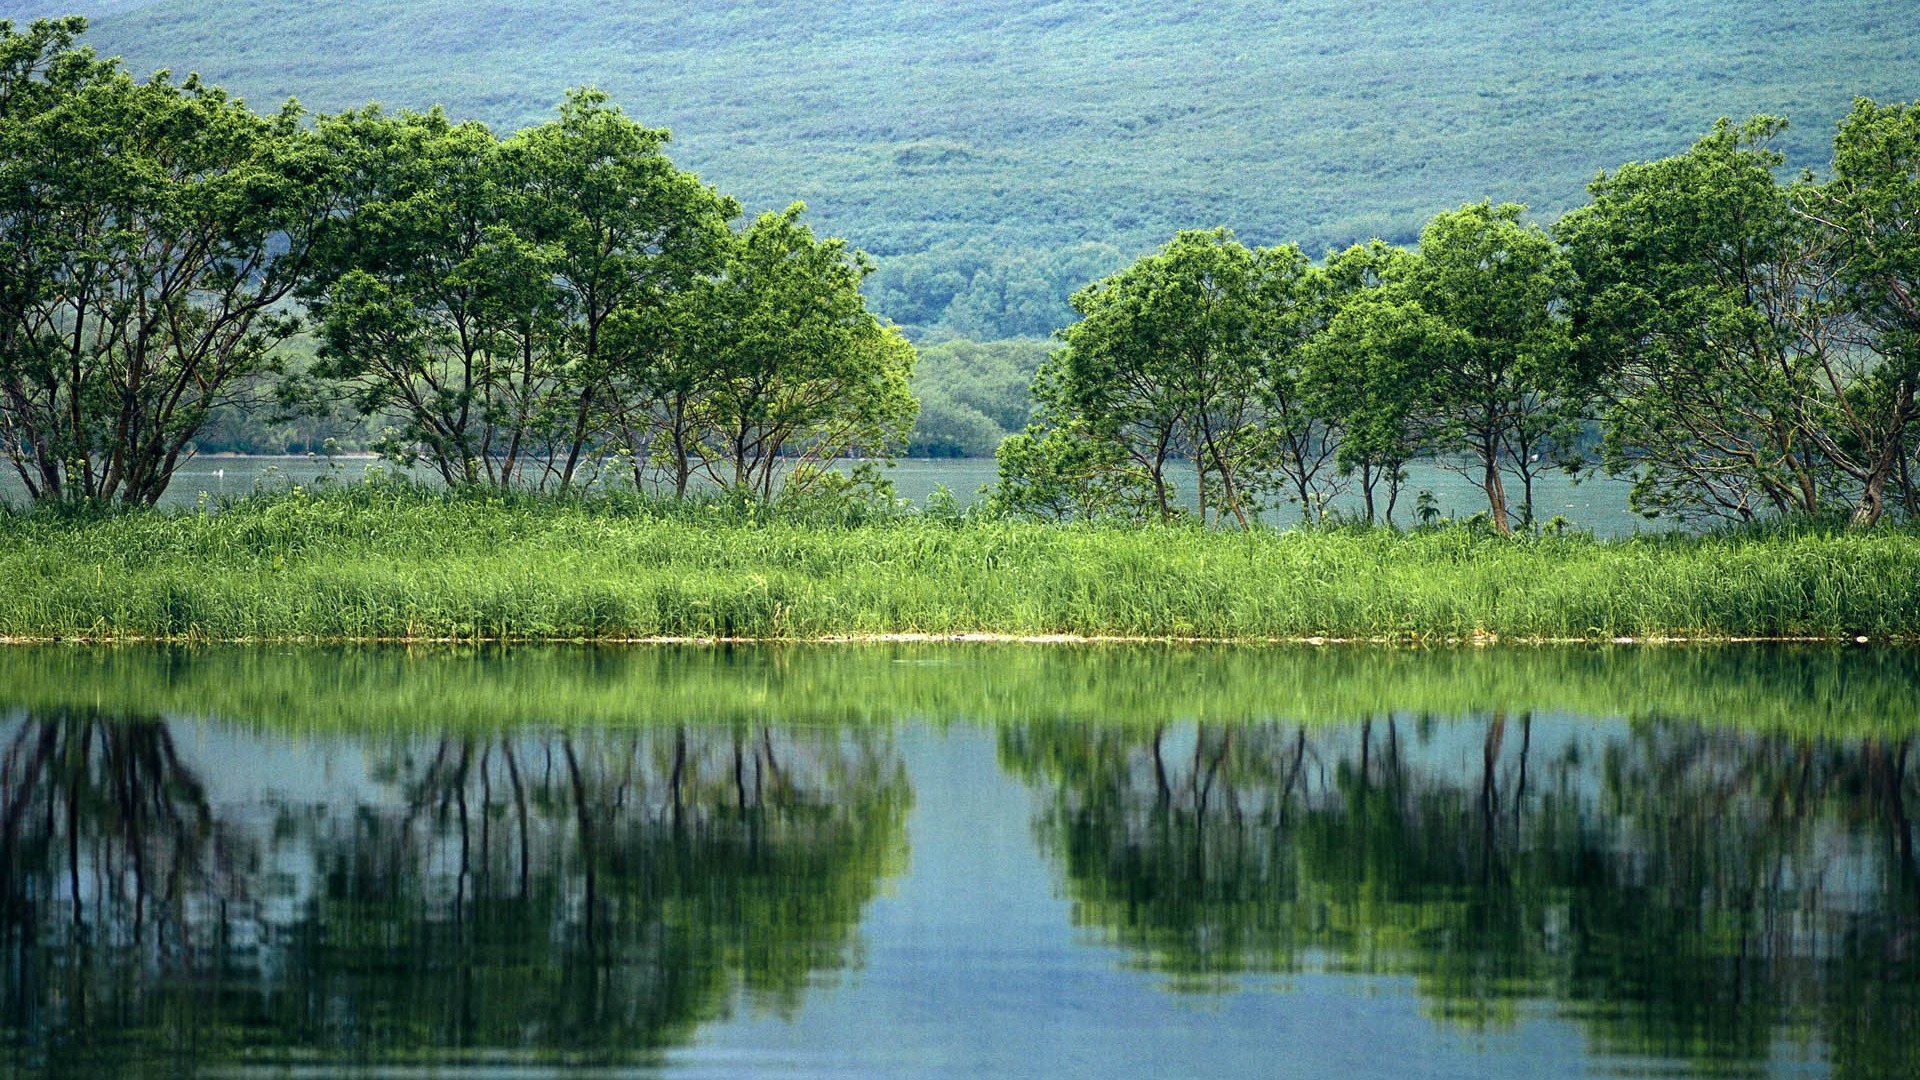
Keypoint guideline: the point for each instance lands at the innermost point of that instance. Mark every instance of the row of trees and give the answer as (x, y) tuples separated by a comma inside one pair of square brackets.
[(1746, 347), (540, 309), (526, 310)]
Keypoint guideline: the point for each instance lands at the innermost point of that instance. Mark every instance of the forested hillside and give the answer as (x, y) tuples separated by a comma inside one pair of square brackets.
[(25, 10), (995, 155)]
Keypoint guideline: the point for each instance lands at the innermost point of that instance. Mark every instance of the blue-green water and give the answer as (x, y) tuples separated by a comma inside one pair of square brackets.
[(1598, 505), (959, 861)]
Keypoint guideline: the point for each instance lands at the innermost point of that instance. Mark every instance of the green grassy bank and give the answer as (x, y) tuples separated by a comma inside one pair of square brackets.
[(389, 562)]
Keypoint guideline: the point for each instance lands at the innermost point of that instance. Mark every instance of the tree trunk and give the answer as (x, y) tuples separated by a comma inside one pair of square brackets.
[(1873, 487), (1495, 488), (579, 440), (1908, 493)]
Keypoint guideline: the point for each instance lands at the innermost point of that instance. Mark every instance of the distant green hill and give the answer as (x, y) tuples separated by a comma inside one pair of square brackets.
[(1032, 142), (25, 11)]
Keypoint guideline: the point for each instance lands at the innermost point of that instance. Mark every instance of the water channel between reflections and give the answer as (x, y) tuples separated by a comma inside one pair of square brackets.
[(960, 860)]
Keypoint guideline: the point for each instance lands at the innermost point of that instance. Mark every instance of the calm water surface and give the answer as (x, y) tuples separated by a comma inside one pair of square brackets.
[(1599, 505), (959, 861)]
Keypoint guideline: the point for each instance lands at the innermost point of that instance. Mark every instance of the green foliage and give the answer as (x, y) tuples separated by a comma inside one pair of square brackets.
[(1703, 387), (1752, 358), (1188, 353), (290, 414), (1747, 347), (390, 561), (973, 394), (1254, 368), (1363, 367), (1324, 123), (787, 365), (983, 290), (1872, 206), (1493, 379), (150, 233), (1874, 197), (434, 304), (1064, 472), (529, 304), (627, 230), (526, 312)]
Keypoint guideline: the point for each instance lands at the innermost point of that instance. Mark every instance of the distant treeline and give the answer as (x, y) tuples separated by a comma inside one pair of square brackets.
[(1748, 348)]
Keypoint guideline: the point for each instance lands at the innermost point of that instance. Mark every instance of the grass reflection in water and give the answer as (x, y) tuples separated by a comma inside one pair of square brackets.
[(582, 857)]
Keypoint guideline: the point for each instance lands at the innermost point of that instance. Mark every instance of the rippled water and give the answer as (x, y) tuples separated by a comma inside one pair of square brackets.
[(960, 861)]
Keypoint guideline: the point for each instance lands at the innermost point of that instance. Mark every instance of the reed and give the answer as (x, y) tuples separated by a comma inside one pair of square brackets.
[(375, 562)]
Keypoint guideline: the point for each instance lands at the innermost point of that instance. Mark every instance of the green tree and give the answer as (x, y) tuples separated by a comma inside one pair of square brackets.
[(659, 396), (799, 371), (624, 231), (1117, 382), (475, 286), (150, 234), (983, 290), (1064, 472), (1192, 353), (1708, 307), (1164, 363), (947, 428), (1364, 365), (1494, 385), (973, 394), (1306, 441), (432, 305), (1872, 207)]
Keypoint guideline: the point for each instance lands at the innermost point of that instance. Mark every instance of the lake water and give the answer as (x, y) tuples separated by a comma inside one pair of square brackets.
[(960, 861), (1599, 505), (1596, 504)]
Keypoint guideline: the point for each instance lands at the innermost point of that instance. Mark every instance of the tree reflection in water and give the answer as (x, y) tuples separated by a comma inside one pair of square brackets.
[(1681, 893), (528, 896)]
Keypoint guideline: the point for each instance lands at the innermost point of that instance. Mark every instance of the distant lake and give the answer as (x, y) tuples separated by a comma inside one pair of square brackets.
[(959, 861), (1599, 504)]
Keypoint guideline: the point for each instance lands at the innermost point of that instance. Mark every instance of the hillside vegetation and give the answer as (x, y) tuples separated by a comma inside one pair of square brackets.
[(996, 155)]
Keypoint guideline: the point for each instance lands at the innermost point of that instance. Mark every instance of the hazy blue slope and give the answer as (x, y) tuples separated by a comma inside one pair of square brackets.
[(1086, 120), (910, 125), (22, 11)]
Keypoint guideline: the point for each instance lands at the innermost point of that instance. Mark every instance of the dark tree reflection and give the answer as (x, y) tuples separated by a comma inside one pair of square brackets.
[(527, 896), (1684, 894), (110, 857)]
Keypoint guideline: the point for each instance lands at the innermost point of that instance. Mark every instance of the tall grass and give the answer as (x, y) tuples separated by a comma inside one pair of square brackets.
[(390, 562)]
